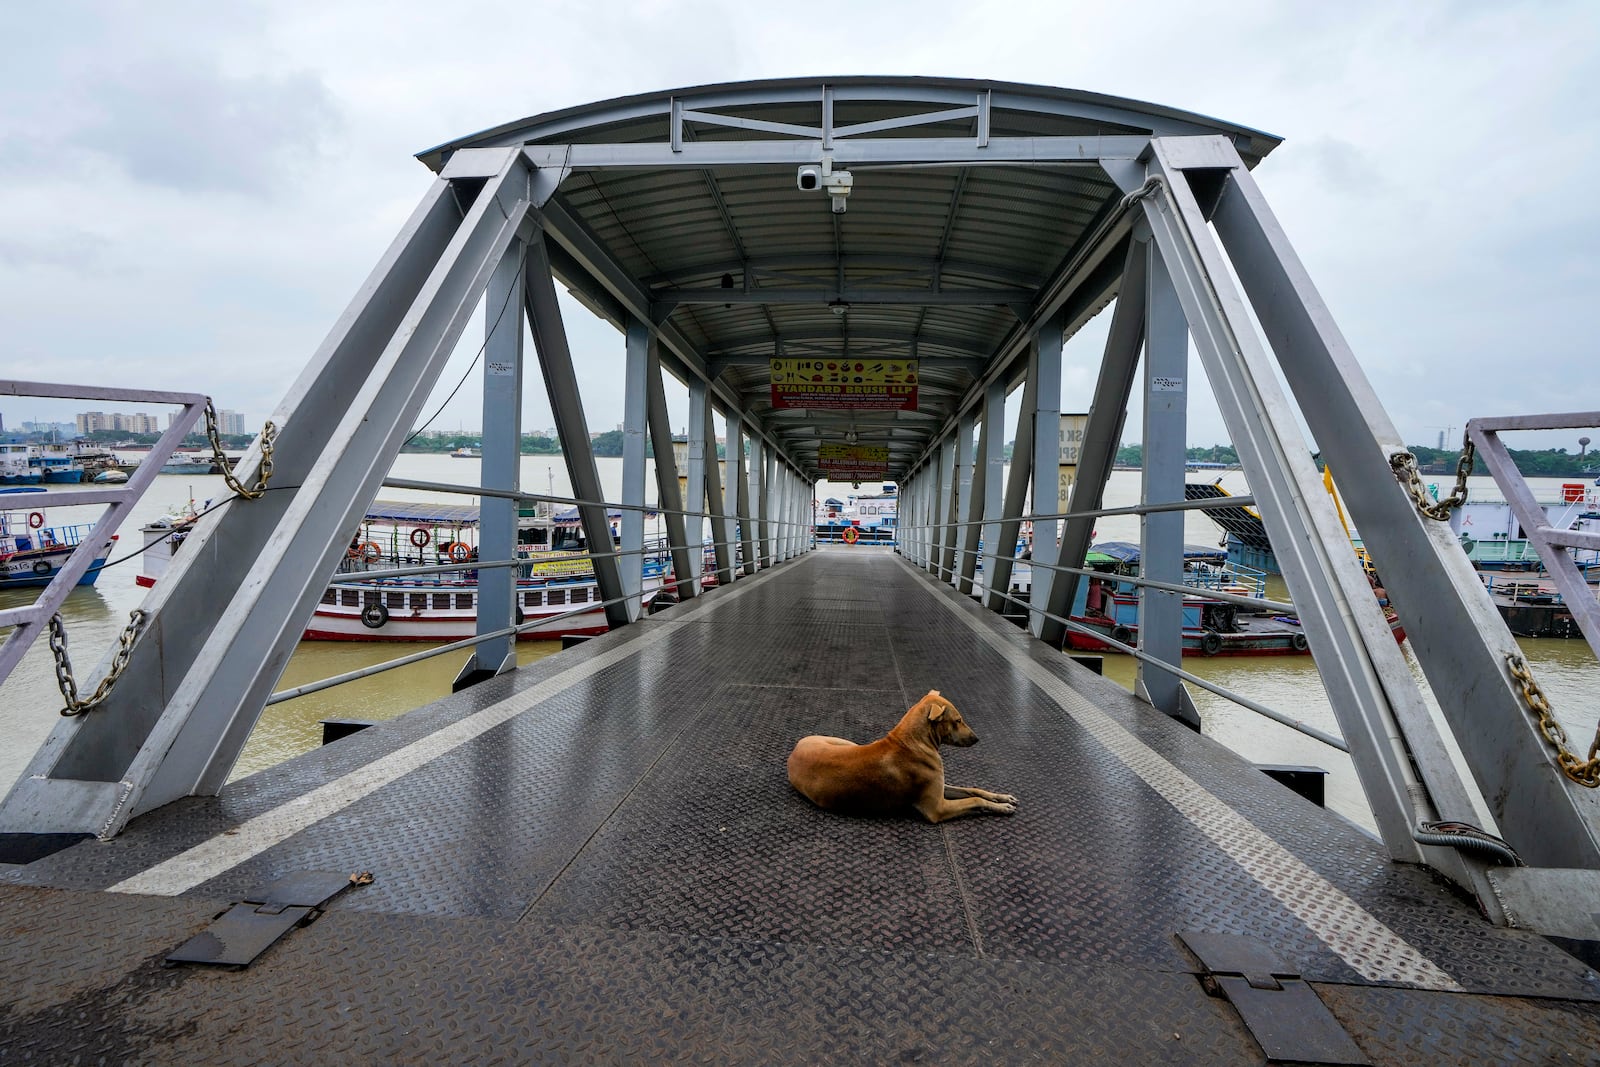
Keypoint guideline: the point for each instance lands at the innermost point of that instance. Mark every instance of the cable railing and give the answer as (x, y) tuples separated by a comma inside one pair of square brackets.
[(936, 547), (781, 531)]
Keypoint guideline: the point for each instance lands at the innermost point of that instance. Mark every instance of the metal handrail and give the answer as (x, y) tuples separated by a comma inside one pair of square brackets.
[(1161, 664)]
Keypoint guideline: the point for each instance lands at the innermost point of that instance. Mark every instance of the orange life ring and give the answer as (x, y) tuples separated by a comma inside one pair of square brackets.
[(35, 519), (420, 537), (459, 551), (851, 535), (371, 552)]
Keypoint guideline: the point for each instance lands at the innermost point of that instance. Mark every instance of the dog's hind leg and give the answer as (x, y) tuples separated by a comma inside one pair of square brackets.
[(961, 792)]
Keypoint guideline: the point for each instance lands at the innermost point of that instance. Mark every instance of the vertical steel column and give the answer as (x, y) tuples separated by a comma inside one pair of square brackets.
[(1165, 428), (768, 487), (502, 458), (1016, 490), (799, 512), (944, 508), (919, 516), (741, 480), (702, 451), (1046, 366), (566, 405), (786, 502), (721, 525), (992, 457), (1102, 436), (635, 424), (685, 563), (961, 501)]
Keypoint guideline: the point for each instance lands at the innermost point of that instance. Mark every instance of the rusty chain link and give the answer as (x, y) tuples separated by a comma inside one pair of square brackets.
[(269, 434), (69, 684), (1404, 465), (1584, 772)]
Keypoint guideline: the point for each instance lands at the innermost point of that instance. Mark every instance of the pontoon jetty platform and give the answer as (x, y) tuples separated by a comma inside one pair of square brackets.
[(597, 857)]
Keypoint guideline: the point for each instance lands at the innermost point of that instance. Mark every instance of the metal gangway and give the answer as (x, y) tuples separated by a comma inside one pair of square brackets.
[(969, 227)]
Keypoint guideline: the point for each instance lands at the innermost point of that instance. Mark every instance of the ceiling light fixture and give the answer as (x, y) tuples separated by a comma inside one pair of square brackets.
[(838, 306)]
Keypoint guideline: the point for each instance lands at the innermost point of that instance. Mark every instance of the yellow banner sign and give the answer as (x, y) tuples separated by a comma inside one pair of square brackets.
[(874, 384), (558, 564), (853, 462)]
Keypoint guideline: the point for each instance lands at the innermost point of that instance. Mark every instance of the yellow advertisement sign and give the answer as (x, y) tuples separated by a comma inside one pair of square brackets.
[(875, 384), (558, 564), (853, 462)]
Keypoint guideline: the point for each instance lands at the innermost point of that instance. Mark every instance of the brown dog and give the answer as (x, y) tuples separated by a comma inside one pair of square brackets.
[(899, 772)]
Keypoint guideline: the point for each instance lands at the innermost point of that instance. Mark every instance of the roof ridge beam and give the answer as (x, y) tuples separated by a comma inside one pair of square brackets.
[(1086, 150)]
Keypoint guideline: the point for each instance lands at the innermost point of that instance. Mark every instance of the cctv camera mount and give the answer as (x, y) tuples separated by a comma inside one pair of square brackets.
[(836, 183)]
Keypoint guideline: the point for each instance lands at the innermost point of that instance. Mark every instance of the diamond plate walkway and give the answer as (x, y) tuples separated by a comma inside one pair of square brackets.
[(599, 859)]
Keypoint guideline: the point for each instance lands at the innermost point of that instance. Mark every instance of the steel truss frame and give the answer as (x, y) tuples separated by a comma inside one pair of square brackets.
[(197, 681), (1191, 194)]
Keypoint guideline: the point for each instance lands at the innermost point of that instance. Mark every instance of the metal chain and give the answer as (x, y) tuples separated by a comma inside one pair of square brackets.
[(1585, 772), (69, 684), (1404, 465), (269, 434)]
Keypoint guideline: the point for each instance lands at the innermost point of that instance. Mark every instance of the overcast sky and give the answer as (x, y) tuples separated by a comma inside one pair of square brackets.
[(190, 193)]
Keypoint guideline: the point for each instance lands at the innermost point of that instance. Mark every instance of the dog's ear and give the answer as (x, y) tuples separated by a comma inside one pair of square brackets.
[(936, 706)]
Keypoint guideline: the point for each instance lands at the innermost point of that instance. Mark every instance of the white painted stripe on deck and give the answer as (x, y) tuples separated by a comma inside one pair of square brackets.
[(214, 856), (1355, 934)]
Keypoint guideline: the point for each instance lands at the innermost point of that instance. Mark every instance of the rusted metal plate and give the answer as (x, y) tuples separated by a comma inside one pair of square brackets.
[(246, 930), (1280, 1010), (239, 935)]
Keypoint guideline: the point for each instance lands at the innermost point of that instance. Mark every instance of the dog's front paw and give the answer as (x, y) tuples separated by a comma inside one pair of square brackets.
[(1009, 808), (1005, 798)]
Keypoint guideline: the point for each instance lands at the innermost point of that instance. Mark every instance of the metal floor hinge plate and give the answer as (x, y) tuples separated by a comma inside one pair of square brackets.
[(247, 929), (1281, 1011)]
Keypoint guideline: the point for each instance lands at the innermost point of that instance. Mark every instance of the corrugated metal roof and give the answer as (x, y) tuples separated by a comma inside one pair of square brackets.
[(937, 261)]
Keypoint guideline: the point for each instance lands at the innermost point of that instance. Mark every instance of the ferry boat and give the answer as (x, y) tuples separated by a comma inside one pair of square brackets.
[(192, 463), (15, 468), (555, 579), (1109, 606), (869, 518), (33, 550), (1493, 540), (466, 452), (55, 462)]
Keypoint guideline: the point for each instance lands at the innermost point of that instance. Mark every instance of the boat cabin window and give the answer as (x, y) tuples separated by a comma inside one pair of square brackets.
[(534, 598), (580, 596), (419, 601), (558, 596), (331, 596), (441, 601), (463, 601), (394, 600)]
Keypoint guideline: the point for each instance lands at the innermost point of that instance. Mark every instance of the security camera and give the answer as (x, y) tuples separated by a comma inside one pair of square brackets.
[(810, 178)]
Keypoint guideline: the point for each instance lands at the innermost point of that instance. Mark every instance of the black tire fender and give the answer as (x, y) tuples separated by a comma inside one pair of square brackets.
[(1211, 643), (373, 616)]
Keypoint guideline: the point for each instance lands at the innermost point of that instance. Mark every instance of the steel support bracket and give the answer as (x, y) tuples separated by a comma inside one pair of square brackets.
[(1281, 1011)]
